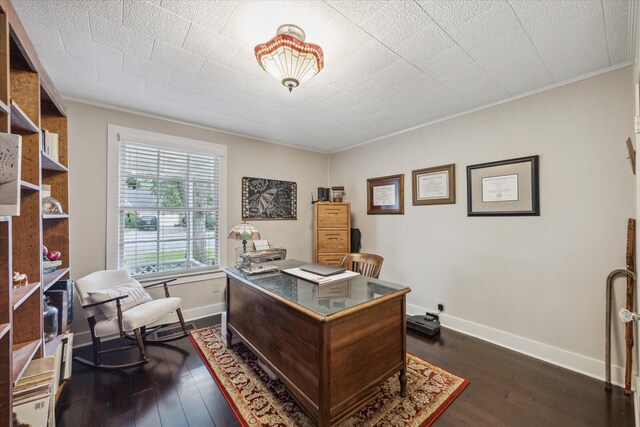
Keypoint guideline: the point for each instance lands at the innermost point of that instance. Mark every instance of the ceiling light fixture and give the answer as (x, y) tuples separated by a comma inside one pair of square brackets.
[(288, 58)]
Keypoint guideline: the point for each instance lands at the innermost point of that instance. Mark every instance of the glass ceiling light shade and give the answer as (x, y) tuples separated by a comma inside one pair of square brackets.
[(244, 232), (288, 58)]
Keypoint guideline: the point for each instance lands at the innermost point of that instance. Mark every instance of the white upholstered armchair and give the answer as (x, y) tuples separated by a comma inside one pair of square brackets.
[(115, 303)]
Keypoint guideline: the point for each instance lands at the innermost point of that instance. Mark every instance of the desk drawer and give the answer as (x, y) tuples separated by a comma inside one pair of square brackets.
[(333, 216), (330, 259), (332, 241)]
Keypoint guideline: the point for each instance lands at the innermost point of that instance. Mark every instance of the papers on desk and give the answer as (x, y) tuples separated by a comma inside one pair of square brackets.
[(261, 245), (311, 277)]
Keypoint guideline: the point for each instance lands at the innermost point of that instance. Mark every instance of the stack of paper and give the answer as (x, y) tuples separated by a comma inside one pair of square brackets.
[(34, 394), (315, 278)]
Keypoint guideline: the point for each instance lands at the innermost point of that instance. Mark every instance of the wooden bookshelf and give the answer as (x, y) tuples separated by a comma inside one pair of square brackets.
[(20, 295), (55, 216), (24, 185), (29, 103), (50, 346), (4, 328), (48, 279), (20, 122), (22, 355), (50, 164), (4, 108)]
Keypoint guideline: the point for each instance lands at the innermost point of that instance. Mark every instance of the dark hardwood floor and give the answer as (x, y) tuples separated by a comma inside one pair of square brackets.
[(507, 389)]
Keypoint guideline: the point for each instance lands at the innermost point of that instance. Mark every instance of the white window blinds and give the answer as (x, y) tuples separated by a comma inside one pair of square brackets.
[(169, 209)]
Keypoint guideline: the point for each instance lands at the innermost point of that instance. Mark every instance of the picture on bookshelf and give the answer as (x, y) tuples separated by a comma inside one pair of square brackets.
[(10, 159)]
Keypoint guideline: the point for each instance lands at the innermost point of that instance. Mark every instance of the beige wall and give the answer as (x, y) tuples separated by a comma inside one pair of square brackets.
[(246, 157), (535, 284)]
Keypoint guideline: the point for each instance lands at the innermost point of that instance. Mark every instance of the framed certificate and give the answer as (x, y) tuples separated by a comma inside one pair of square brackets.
[(434, 186), (507, 187), (385, 195)]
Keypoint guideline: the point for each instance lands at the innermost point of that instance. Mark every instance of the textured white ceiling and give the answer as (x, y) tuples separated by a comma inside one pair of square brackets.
[(389, 65)]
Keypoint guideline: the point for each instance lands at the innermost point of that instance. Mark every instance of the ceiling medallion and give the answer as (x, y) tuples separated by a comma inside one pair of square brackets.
[(288, 58)]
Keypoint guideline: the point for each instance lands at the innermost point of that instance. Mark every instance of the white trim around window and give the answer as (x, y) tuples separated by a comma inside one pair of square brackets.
[(116, 134)]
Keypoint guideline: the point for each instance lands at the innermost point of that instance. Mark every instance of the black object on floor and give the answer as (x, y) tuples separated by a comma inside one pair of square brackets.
[(427, 324)]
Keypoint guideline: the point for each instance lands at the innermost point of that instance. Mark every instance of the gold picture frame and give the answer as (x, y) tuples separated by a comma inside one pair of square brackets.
[(434, 186), (385, 195)]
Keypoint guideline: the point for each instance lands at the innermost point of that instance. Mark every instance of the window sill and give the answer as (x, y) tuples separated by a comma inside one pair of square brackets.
[(183, 277)]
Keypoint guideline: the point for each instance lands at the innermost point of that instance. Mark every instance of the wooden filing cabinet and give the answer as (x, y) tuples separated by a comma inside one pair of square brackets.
[(332, 232)]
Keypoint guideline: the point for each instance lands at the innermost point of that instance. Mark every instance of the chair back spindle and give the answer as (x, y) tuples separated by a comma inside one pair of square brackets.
[(366, 264)]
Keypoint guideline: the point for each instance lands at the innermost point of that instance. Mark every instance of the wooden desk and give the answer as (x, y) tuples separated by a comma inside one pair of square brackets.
[(330, 344)]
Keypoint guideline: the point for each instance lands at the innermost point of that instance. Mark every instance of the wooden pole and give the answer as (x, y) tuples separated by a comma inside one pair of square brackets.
[(631, 266)]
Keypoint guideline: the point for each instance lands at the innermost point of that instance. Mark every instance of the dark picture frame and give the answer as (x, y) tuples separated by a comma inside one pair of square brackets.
[(504, 188), (269, 199), (434, 186), (385, 195)]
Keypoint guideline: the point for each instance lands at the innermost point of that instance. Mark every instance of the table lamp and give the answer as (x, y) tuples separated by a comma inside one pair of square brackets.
[(244, 232)]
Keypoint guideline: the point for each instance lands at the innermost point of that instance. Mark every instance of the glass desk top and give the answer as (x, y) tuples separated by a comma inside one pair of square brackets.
[(324, 299)]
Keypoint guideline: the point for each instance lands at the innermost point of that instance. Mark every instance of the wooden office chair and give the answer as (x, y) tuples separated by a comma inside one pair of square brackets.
[(365, 264), (115, 303)]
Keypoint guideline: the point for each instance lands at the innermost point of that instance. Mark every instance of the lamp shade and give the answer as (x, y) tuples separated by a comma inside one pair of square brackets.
[(288, 58), (244, 231)]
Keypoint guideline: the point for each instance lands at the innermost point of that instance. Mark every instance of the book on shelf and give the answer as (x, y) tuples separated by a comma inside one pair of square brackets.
[(45, 190), (67, 356), (43, 137), (34, 412), (57, 362), (33, 386), (63, 359), (53, 147), (49, 264), (67, 369), (49, 142), (66, 285)]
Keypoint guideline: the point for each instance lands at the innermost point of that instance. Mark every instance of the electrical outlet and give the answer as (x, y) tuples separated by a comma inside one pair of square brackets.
[(441, 307)]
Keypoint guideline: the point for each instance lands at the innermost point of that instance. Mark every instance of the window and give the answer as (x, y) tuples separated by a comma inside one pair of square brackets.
[(165, 205)]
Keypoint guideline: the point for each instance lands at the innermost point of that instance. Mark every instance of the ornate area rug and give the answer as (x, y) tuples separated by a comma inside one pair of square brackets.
[(258, 400)]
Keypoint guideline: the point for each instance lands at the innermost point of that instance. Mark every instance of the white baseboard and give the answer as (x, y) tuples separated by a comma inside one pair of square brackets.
[(82, 339), (554, 355)]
